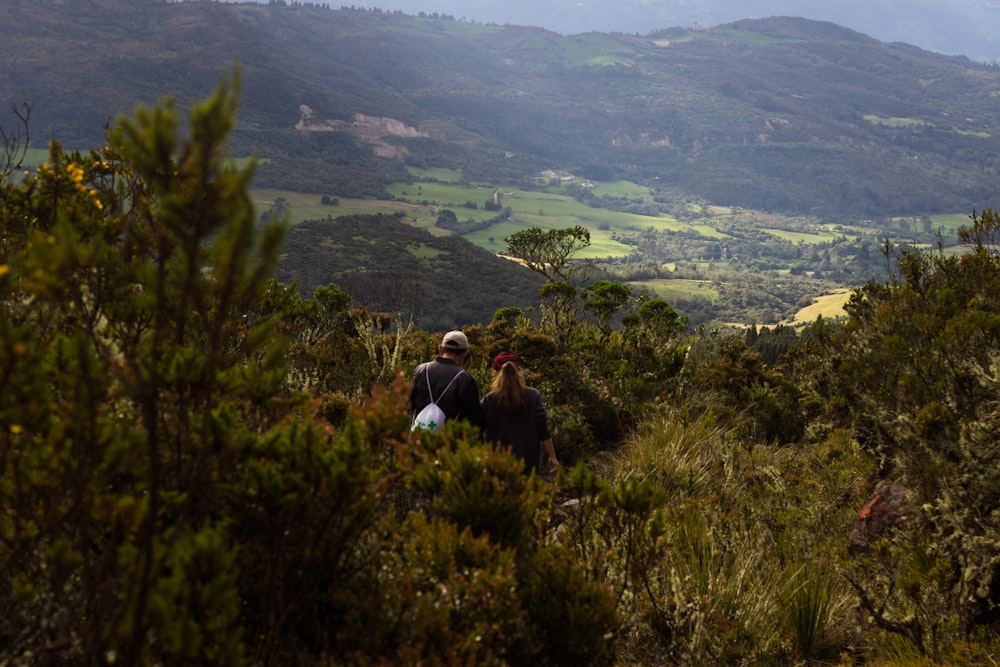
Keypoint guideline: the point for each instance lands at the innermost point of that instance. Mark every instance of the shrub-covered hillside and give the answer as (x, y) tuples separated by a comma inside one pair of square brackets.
[(200, 466)]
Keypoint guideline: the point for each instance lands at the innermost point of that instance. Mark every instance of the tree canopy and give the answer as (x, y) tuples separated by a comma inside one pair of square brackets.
[(550, 251)]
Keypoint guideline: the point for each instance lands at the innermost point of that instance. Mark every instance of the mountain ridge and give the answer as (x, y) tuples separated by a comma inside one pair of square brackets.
[(960, 27), (782, 114)]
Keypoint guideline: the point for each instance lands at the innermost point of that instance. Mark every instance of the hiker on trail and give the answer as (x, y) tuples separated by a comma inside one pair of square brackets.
[(443, 382), (516, 418)]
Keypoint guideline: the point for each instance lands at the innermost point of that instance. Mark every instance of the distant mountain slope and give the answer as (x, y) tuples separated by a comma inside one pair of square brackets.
[(391, 266), (780, 114)]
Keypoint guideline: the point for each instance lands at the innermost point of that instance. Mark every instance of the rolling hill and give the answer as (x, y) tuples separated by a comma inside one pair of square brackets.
[(390, 266)]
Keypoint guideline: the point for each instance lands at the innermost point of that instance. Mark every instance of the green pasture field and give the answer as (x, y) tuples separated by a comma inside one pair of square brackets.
[(425, 252), (849, 231), (306, 206), (971, 133), (540, 205), (575, 50), (301, 206), (670, 290), (621, 189), (530, 208), (544, 210), (601, 244), (686, 37), (436, 173), (580, 50), (804, 237), (447, 195), (893, 121), (608, 60), (540, 49), (707, 230), (950, 222)]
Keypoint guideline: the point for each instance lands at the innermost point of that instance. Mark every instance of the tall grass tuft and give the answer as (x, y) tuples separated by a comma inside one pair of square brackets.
[(811, 601), (710, 598), (735, 579), (721, 572), (675, 454)]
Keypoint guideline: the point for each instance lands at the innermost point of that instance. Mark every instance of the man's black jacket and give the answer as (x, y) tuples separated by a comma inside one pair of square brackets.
[(460, 401)]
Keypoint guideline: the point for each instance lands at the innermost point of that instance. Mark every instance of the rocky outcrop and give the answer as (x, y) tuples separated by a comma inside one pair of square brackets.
[(370, 128), (386, 126), (879, 515)]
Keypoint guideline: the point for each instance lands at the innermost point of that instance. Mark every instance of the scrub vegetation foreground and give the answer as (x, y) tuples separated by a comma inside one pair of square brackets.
[(200, 467)]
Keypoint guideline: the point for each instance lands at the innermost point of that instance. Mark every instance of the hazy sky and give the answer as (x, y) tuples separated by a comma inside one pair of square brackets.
[(954, 27)]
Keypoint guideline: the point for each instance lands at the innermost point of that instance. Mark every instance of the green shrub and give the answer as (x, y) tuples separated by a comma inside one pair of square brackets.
[(484, 490), (433, 594), (571, 434), (573, 616), (914, 371)]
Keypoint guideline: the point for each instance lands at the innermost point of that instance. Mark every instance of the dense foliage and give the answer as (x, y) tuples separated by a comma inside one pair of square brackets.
[(914, 374), (198, 465)]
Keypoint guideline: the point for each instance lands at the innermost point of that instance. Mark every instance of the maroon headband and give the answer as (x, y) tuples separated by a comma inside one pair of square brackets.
[(504, 357)]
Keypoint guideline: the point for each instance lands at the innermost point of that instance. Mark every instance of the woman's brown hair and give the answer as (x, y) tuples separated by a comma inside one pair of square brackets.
[(508, 386)]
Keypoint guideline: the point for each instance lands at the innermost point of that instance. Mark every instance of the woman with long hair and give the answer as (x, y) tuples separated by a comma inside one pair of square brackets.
[(516, 418)]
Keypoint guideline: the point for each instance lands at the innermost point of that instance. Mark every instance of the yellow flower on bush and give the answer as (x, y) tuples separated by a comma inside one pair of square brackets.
[(75, 172)]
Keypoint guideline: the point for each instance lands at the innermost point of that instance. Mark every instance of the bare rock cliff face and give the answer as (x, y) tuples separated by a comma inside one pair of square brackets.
[(371, 129), (386, 126)]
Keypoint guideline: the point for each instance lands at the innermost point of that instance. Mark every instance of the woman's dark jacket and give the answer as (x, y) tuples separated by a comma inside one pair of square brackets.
[(522, 432)]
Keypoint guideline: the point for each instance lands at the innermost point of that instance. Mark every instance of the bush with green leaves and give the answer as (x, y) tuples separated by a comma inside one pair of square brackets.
[(721, 374), (914, 372), (134, 388)]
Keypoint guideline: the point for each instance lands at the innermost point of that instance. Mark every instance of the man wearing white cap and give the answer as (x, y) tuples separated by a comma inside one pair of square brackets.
[(443, 381)]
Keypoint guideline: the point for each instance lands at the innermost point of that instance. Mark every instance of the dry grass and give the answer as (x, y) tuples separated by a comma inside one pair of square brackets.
[(830, 306)]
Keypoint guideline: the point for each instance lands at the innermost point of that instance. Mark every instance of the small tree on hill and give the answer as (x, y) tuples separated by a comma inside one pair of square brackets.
[(550, 252)]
